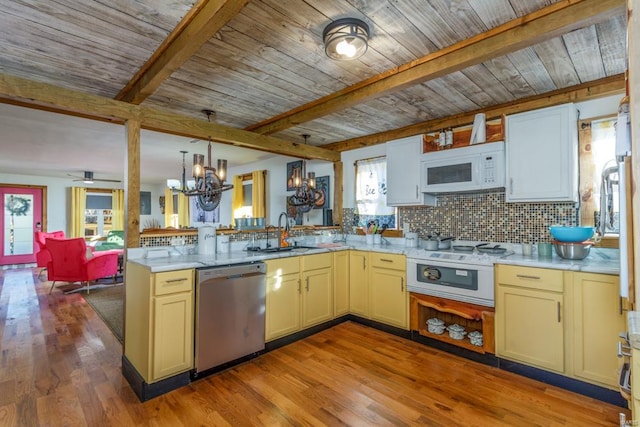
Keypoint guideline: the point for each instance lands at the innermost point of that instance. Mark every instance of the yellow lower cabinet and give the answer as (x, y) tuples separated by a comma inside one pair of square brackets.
[(159, 326), (173, 339), (299, 294), (530, 321), (359, 283), (317, 292), (387, 285), (598, 319), (340, 283), (282, 298), (529, 327)]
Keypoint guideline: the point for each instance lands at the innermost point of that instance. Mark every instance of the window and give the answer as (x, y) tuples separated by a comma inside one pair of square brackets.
[(371, 194), (97, 215), (597, 154)]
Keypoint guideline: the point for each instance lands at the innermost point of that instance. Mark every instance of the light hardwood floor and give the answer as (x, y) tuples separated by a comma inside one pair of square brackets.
[(60, 366)]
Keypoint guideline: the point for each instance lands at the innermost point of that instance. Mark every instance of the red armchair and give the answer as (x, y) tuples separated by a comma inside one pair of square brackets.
[(69, 262), (42, 255)]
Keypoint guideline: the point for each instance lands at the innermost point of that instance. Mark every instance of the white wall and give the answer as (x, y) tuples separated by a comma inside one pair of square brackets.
[(59, 197), (276, 188)]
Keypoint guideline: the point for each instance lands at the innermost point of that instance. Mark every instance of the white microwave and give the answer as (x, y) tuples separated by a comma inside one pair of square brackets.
[(473, 168)]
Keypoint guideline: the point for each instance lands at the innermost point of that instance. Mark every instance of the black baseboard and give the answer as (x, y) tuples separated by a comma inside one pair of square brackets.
[(596, 392), (281, 342), (146, 391), (380, 326), (217, 369)]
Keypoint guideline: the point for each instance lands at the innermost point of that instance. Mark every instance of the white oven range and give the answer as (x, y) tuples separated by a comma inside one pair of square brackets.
[(458, 276)]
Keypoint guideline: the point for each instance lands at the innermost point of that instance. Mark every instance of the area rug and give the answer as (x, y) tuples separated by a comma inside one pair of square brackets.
[(108, 302)]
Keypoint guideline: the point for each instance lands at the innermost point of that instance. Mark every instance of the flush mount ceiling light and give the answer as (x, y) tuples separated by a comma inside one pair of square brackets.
[(345, 39)]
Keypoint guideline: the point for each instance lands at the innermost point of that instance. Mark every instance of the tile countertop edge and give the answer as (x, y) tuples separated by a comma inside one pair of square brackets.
[(179, 262)]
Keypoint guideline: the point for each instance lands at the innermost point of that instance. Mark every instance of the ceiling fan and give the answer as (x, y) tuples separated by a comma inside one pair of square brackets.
[(89, 179)]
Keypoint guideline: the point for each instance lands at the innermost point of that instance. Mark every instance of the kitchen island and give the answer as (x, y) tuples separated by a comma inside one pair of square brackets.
[(350, 285)]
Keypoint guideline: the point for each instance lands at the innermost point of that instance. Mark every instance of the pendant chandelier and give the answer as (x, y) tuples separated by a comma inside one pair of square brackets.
[(208, 181), (306, 194)]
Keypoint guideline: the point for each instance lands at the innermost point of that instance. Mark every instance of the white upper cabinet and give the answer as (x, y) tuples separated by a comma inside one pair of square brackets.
[(542, 155), (403, 173)]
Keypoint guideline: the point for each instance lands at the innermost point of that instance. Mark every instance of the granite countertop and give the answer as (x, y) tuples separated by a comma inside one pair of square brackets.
[(600, 260), (167, 259)]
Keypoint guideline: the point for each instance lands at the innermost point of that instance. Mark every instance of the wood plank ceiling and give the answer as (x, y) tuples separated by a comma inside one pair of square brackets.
[(261, 64)]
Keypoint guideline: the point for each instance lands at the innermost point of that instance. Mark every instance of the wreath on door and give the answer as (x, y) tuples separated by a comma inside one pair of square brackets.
[(18, 206)]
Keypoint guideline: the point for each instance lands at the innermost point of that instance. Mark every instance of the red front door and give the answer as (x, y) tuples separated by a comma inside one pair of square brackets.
[(20, 212)]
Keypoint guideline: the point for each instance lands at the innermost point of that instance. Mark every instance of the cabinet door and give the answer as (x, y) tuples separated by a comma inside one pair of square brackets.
[(403, 171), (317, 297), (389, 297), (340, 283), (542, 155), (173, 334), (359, 283), (529, 327), (282, 315), (598, 321)]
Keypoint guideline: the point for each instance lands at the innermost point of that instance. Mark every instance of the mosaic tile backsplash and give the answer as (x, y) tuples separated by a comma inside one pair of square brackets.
[(487, 217)]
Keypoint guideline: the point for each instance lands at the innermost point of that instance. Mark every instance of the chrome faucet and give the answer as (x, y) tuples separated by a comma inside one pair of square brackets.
[(286, 225)]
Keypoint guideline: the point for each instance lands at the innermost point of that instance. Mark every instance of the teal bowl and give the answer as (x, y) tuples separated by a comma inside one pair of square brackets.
[(571, 234)]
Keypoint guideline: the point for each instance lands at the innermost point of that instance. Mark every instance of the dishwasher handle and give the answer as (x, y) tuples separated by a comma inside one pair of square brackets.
[(231, 271)]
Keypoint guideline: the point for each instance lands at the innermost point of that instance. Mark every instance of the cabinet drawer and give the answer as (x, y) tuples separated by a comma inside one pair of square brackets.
[(287, 265), (314, 262), (390, 261), (533, 278), (171, 282)]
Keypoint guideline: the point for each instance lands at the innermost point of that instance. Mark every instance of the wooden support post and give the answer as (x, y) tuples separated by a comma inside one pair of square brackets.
[(132, 184), (337, 193)]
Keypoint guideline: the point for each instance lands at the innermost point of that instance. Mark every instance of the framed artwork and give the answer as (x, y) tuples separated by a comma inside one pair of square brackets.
[(198, 215), (291, 168), (322, 186), (145, 203)]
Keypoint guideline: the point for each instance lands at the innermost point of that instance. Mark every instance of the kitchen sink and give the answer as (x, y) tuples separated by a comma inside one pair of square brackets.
[(276, 249), (285, 249)]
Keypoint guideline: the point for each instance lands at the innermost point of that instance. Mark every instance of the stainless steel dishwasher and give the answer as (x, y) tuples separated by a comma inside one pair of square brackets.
[(230, 308)]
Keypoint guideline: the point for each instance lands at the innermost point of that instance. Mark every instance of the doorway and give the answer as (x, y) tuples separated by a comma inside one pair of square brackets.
[(21, 213)]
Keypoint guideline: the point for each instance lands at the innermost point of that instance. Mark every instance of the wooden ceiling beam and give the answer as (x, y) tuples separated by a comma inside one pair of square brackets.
[(15, 90), (579, 93), (538, 26), (202, 22)]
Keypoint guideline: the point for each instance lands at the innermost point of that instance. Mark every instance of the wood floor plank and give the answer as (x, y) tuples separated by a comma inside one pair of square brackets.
[(60, 365)]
